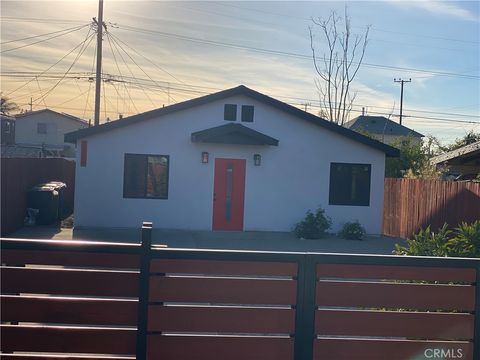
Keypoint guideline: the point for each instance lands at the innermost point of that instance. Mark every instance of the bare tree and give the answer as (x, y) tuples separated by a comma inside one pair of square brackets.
[(338, 66)]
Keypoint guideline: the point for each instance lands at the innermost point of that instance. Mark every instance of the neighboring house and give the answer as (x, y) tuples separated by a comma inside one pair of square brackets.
[(45, 129), (462, 163), (8, 129), (383, 129), (233, 160)]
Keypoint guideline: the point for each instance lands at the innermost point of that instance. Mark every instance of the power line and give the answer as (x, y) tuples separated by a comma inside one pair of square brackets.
[(35, 36), (40, 20), (51, 66), (208, 89), (133, 60), (285, 53), (229, 4), (43, 40), (81, 51)]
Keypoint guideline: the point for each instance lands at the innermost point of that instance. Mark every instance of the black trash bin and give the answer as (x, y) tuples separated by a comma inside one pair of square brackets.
[(60, 187), (45, 199)]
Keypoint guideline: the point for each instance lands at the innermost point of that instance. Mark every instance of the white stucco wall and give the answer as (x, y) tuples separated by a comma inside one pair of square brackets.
[(57, 126), (292, 178)]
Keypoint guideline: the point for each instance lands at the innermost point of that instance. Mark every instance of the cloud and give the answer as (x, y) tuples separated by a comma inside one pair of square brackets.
[(450, 9)]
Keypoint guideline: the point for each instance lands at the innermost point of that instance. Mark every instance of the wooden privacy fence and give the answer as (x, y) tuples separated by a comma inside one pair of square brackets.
[(125, 301), (411, 204)]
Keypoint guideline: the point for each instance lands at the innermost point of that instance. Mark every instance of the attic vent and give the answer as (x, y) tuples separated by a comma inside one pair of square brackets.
[(374, 121)]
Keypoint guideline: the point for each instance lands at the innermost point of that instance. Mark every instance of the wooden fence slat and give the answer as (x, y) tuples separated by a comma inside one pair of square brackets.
[(69, 282), (221, 319), (400, 295), (67, 340), (432, 326), (218, 348), (70, 258), (219, 267), (226, 291), (68, 311), (350, 349), (388, 272)]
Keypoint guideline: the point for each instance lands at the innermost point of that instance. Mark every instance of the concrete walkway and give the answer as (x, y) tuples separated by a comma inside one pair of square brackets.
[(248, 240)]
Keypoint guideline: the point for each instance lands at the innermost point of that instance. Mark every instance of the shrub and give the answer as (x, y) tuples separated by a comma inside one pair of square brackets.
[(313, 226), (352, 231), (466, 241), (463, 241)]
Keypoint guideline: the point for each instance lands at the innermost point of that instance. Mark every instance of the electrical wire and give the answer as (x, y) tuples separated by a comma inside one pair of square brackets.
[(88, 38), (287, 54), (118, 69), (133, 60), (43, 40), (35, 36)]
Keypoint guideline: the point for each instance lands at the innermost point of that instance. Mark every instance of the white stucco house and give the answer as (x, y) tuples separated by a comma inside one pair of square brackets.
[(232, 160), (46, 129)]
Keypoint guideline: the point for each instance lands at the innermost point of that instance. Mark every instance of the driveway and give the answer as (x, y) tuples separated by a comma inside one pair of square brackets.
[(248, 240)]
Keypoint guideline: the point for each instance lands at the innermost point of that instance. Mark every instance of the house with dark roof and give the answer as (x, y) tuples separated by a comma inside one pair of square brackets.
[(235, 160), (383, 129), (44, 130)]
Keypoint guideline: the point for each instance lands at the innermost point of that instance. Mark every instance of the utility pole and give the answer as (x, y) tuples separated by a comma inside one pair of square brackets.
[(31, 104), (401, 95), (98, 79)]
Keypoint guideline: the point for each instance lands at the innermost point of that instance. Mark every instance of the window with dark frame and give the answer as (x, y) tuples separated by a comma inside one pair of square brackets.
[(146, 176), (230, 112), (350, 184), (41, 128), (247, 113)]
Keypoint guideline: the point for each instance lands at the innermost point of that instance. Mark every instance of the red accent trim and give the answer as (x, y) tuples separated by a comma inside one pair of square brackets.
[(83, 153), (220, 222)]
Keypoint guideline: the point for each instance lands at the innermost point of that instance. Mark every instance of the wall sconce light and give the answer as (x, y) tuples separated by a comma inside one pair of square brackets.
[(204, 157), (257, 159)]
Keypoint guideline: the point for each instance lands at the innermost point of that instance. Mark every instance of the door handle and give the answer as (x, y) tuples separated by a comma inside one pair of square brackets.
[(214, 197)]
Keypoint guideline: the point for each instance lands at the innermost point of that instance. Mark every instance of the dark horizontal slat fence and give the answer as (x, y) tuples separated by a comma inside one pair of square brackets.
[(412, 204), (232, 306), (123, 300), (373, 312), (68, 298)]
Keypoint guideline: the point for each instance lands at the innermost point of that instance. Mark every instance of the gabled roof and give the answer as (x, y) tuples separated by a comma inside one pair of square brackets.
[(233, 134), (465, 153), (239, 90), (380, 125), (71, 117)]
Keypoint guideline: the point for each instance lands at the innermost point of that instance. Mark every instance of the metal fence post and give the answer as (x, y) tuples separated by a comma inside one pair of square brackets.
[(476, 333), (143, 291), (305, 308)]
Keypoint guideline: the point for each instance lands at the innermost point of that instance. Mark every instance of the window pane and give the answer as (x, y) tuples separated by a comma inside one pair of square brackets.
[(247, 113), (41, 128), (134, 175), (349, 184), (230, 112), (157, 177)]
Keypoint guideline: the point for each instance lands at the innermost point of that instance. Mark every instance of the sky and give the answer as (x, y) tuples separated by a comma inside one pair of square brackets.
[(158, 53)]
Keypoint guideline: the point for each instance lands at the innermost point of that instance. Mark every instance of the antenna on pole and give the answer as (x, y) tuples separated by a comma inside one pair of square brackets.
[(98, 79), (401, 95)]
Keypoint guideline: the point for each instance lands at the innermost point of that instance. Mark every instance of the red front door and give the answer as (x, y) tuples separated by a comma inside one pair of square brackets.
[(228, 194)]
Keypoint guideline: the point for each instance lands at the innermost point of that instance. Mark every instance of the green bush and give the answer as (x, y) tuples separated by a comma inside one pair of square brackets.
[(463, 241), (352, 231), (314, 226), (466, 242)]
